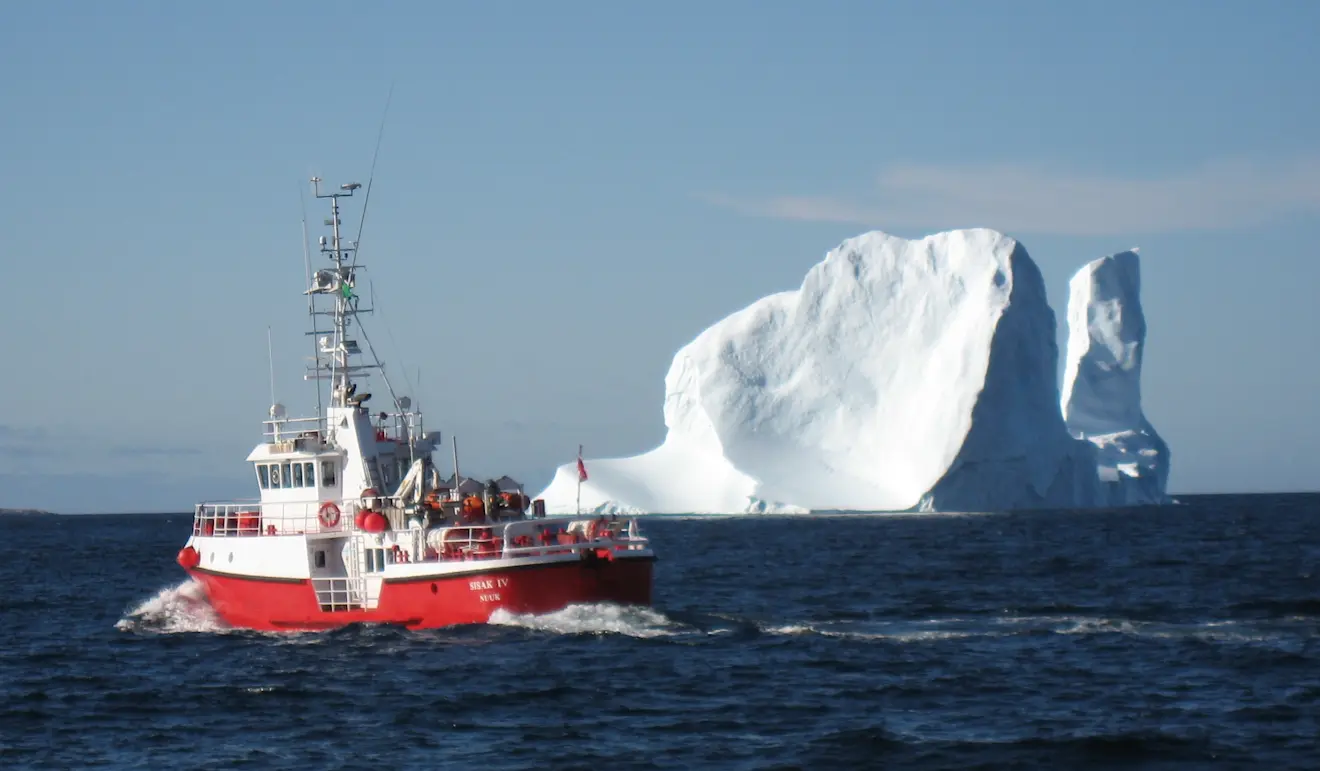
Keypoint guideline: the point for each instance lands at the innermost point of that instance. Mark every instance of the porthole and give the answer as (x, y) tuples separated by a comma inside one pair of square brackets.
[(231, 556), (434, 589)]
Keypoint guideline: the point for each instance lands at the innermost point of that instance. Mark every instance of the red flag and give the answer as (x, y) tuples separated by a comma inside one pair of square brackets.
[(582, 470)]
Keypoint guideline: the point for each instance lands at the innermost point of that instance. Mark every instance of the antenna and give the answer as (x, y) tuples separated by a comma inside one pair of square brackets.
[(311, 304), (270, 355)]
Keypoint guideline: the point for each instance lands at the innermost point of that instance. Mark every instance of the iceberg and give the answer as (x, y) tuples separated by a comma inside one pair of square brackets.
[(902, 375), (1102, 380)]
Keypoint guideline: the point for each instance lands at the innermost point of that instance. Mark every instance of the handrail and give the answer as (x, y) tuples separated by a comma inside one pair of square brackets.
[(305, 419), (252, 517), (522, 538), (248, 519), (477, 541)]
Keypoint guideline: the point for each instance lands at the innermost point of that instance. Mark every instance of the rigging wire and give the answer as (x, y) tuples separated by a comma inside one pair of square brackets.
[(366, 201)]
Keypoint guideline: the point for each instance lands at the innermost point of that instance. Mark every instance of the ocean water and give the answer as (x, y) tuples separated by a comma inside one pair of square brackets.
[(1176, 637)]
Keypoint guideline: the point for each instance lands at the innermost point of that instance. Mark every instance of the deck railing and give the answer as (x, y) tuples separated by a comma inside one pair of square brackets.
[(529, 538), (246, 519), (490, 540)]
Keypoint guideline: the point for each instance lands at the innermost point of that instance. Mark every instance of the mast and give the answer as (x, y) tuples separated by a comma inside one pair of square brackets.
[(339, 284), (335, 351)]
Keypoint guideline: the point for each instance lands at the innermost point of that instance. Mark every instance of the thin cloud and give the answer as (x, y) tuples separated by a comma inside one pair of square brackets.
[(1036, 199), (152, 451), (10, 433), (31, 446), (20, 442)]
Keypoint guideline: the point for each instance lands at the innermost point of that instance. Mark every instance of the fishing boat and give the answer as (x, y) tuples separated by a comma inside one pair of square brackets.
[(353, 523)]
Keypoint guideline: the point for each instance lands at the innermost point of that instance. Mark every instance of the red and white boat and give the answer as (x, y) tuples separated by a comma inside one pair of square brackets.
[(355, 525)]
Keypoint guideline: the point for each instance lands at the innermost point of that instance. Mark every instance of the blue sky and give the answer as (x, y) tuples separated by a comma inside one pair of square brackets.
[(567, 193)]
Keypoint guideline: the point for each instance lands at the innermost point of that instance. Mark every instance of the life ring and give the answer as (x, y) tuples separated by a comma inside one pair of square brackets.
[(328, 514)]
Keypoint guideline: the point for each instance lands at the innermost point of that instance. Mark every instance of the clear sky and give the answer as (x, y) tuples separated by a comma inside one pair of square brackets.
[(569, 192)]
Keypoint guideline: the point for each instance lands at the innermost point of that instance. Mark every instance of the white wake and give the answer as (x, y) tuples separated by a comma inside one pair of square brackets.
[(595, 618), (915, 631), (182, 608)]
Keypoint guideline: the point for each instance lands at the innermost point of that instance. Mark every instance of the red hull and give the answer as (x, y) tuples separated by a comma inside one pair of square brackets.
[(433, 601)]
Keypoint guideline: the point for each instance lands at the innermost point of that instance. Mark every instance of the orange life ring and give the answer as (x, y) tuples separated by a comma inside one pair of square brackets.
[(328, 514)]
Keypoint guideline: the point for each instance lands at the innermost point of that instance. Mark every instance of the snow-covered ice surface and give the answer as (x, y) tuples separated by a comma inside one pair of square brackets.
[(902, 375)]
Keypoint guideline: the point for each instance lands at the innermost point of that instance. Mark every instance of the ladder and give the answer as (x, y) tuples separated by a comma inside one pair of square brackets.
[(347, 592)]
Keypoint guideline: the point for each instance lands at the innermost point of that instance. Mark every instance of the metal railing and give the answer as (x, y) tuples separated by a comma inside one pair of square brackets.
[(227, 519), (493, 540), (294, 428), (529, 538), (291, 518)]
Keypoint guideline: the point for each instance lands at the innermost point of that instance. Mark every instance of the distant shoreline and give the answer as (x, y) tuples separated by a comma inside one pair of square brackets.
[(26, 513)]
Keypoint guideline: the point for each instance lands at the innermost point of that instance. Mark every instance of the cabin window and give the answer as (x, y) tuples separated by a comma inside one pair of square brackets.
[(375, 560), (287, 475), (275, 476), (309, 474), (263, 476), (320, 559), (297, 475), (327, 473)]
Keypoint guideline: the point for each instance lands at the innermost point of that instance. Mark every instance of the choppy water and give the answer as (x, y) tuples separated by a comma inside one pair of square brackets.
[(1184, 637)]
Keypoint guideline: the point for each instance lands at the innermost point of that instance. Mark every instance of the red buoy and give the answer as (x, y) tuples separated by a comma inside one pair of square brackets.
[(360, 517), (374, 522), (189, 558)]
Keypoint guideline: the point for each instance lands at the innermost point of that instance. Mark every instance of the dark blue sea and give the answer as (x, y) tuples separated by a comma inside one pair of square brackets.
[(1178, 637)]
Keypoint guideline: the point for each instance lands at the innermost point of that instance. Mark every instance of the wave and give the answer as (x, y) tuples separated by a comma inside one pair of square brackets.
[(595, 618), (897, 632), (184, 609), (177, 609), (1214, 631)]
